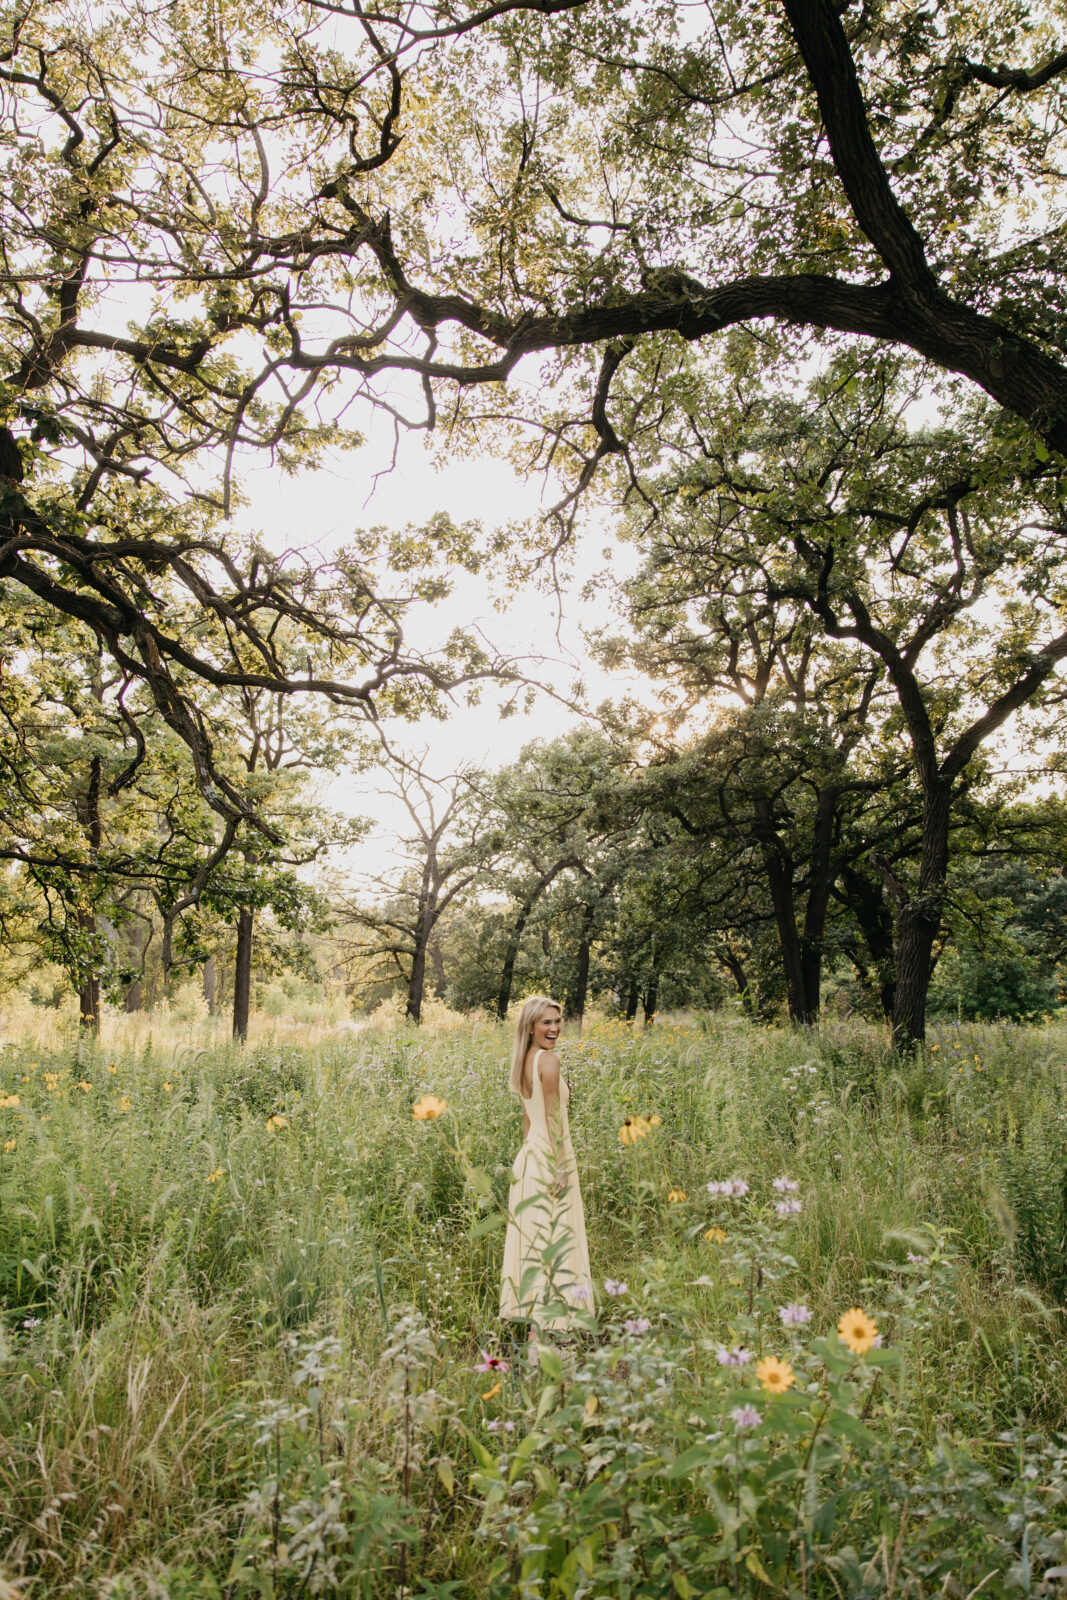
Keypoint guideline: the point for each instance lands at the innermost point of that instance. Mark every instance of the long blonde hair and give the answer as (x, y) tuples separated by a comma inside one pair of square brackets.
[(532, 1012)]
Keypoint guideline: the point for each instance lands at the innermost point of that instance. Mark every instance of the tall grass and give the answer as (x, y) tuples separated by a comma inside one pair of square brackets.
[(181, 1223)]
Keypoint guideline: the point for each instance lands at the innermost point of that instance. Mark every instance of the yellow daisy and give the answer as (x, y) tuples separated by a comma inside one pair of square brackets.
[(124, 1103), (277, 1121), (634, 1128), (9, 1145), (428, 1108), (213, 1177), (676, 1196), (858, 1331), (167, 1087), (715, 1236), (775, 1376)]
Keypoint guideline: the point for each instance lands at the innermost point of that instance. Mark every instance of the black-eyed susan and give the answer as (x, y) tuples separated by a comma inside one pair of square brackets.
[(676, 1196), (858, 1331), (277, 1121), (124, 1103), (715, 1236), (9, 1145), (167, 1087), (214, 1177), (775, 1376), (8, 1102), (634, 1128), (428, 1108)]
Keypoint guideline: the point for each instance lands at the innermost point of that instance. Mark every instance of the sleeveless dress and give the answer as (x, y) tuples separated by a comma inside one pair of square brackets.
[(540, 1223)]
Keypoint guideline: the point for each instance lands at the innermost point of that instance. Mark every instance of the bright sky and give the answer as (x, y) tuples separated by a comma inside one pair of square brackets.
[(322, 508)]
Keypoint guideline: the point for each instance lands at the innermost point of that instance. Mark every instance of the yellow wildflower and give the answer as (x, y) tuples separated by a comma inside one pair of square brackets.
[(124, 1103), (8, 1101), (858, 1331), (428, 1108), (213, 1177), (653, 1121), (83, 1086), (676, 1196), (489, 1393), (715, 1236), (634, 1128), (775, 1376), (277, 1121), (167, 1087), (9, 1145), (112, 1068)]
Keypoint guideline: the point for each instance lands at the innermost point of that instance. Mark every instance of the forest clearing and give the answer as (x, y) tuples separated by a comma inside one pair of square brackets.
[(251, 1343)]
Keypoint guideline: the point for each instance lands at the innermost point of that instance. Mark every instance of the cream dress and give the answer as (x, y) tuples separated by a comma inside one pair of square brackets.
[(546, 1256)]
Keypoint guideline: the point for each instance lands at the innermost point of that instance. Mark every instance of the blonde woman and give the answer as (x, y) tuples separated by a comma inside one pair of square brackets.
[(546, 1257)]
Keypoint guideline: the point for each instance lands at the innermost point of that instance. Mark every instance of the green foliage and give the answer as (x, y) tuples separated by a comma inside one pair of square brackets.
[(240, 1357)]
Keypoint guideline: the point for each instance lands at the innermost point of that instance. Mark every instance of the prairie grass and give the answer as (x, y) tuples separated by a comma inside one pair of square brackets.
[(238, 1282)]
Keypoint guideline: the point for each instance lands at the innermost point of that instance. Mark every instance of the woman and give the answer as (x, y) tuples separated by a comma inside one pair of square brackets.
[(546, 1257)]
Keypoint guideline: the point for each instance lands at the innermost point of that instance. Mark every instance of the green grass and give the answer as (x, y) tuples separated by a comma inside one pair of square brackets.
[(219, 1341)]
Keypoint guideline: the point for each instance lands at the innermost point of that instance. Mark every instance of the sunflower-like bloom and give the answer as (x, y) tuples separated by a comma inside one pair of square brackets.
[(858, 1331), (277, 1121), (775, 1376), (428, 1108), (715, 1236), (676, 1196), (634, 1128)]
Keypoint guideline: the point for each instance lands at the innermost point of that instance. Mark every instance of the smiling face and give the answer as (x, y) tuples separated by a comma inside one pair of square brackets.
[(546, 1030)]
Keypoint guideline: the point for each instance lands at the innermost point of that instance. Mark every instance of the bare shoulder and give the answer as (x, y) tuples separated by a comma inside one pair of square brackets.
[(549, 1069)]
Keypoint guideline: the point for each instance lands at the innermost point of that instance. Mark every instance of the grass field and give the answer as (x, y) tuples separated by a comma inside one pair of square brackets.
[(245, 1296)]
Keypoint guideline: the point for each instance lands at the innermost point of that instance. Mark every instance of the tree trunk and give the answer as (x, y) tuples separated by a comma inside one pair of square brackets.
[(416, 983), (651, 997), (632, 999), (737, 972), (867, 902), (437, 957), (511, 954), (210, 984), (242, 972), (136, 939), (919, 921), (820, 885), (779, 869), (576, 1008)]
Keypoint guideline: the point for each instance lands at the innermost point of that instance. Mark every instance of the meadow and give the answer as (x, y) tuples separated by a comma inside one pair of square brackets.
[(249, 1344)]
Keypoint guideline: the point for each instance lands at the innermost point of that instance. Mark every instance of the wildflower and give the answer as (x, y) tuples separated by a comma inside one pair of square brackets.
[(637, 1325), (490, 1363), (509, 1427), (112, 1068), (494, 1426), (715, 1236), (634, 1128), (676, 1196), (582, 1292), (428, 1108), (489, 1393), (615, 1286), (738, 1188), (720, 1188), (213, 1177), (167, 1087), (31, 1322), (84, 1087), (737, 1356), (9, 1145), (277, 1121), (775, 1376), (935, 1047), (124, 1103), (858, 1331), (789, 1208), (654, 1121), (918, 1261), (794, 1315), (746, 1416), (8, 1102), (785, 1185)]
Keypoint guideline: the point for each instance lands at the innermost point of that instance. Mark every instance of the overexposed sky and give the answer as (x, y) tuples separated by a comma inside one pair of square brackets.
[(323, 507)]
